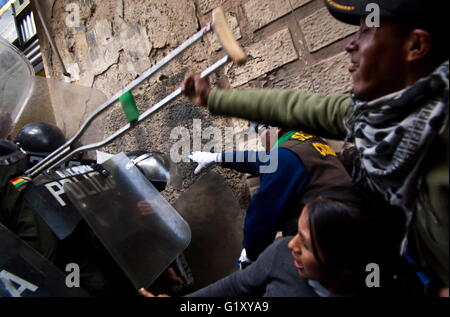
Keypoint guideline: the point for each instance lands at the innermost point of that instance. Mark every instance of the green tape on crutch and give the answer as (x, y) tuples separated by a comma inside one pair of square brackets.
[(129, 107)]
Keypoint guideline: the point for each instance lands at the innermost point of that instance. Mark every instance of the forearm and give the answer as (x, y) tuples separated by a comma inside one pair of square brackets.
[(249, 282), (294, 109)]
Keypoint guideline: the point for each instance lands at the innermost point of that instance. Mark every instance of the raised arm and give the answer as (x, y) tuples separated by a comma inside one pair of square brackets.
[(316, 114), (313, 113)]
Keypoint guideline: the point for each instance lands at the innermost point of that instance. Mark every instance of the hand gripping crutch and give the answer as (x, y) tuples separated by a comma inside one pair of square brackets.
[(234, 53)]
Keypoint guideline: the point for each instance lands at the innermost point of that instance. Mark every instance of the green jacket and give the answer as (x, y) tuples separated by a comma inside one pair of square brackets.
[(324, 115)]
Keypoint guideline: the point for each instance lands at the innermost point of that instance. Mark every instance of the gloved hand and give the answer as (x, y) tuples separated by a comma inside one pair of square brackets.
[(243, 260), (204, 160)]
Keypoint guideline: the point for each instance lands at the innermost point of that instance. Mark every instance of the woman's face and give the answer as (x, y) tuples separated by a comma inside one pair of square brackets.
[(308, 266)]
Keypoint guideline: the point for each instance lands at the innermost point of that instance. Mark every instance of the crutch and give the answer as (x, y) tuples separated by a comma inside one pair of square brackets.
[(233, 51)]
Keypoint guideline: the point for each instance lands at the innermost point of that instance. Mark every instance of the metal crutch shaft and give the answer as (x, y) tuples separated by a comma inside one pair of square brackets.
[(158, 66), (234, 52), (142, 117)]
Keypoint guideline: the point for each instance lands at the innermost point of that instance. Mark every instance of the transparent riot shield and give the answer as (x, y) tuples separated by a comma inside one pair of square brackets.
[(65, 105), (26, 98), (48, 198), (25, 273), (16, 85), (216, 221), (138, 227)]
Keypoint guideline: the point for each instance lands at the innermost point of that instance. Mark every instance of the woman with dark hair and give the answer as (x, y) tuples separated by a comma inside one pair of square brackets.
[(339, 236), (341, 233)]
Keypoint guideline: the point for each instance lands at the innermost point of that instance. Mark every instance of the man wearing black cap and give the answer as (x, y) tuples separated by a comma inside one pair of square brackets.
[(397, 116)]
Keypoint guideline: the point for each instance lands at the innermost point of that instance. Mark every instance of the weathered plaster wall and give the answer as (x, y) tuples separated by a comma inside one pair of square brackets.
[(291, 44)]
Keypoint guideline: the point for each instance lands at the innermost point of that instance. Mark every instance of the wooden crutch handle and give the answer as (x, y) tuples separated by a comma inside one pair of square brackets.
[(226, 38)]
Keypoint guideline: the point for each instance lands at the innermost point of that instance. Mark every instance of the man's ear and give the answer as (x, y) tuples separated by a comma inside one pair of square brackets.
[(418, 45)]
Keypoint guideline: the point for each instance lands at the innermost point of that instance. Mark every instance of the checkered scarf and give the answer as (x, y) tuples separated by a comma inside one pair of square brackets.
[(393, 135)]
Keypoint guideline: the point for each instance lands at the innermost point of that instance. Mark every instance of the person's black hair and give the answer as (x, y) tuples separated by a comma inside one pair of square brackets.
[(439, 47), (353, 229)]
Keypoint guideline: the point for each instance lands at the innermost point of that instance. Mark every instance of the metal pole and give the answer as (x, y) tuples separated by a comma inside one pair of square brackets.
[(141, 118), (50, 38), (158, 66)]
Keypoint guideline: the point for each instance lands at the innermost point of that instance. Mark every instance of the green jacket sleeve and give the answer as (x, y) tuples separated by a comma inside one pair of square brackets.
[(293, 109)]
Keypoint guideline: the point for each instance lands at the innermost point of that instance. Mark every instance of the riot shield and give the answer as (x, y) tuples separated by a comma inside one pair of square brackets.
[(48, 198), (25, 273), (139, 228), (25, 98), (216, 222), (65, 105), (16, 84)]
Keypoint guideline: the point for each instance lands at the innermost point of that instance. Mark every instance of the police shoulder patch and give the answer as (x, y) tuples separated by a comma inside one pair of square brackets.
[(19, 182)]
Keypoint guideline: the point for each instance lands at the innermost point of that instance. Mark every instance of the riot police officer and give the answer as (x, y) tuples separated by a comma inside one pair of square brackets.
[(33, 142), (15, 212)]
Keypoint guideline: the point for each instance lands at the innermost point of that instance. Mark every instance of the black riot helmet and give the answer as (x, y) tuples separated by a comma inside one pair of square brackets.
[(154, 166), (40, 137)]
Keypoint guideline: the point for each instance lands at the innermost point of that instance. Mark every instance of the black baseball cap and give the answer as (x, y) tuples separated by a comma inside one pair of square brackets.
[(422, 14)]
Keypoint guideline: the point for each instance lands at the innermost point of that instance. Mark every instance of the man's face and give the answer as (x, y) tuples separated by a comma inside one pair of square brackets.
[(377, 61)]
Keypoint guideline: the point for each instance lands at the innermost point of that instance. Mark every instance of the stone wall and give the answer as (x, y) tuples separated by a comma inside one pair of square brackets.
[(291, 44)]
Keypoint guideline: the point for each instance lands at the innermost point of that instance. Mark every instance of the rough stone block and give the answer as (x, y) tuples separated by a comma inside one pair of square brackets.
[(137, 47), (328, 76), (208, 5), (331, 75), (103, 48), (168, 22), (263, 12), (269, 54), (321, 29), (302, 80)]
